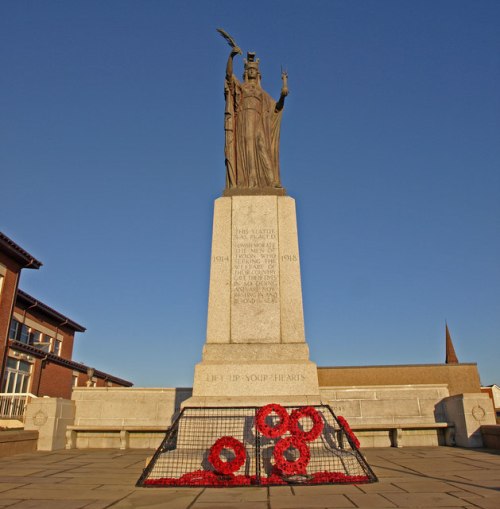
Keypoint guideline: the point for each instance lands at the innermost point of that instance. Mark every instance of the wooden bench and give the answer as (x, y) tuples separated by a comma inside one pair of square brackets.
[(123, 432), (396, 430)]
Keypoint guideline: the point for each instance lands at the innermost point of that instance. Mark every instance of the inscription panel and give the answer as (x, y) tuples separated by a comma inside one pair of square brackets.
[(255, 272), (255, 295), (290, 379)]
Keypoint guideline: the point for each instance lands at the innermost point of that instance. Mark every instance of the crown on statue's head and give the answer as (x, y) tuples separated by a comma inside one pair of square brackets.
[(251, 61)]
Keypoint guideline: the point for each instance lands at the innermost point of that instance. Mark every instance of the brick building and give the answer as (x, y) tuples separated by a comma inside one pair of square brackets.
[(36, 341)]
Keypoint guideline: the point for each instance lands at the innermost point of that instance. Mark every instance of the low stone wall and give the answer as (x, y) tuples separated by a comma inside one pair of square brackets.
[(399, 405), (119, 417), (491, 436), (127, 406), (381, 404), (17, 442), (382, 416)]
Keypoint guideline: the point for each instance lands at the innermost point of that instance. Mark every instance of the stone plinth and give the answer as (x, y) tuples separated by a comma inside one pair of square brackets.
[(50, 417), (469, 412), (255, 350)]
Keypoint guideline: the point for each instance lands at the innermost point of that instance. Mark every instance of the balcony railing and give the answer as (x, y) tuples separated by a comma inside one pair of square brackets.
[(13, 406)]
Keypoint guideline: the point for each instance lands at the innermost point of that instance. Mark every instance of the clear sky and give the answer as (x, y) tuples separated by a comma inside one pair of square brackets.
[(111, 129)]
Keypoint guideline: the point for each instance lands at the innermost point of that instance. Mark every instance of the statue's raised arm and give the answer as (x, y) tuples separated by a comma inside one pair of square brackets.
[(252, 128), (235, 50), (284, 91)]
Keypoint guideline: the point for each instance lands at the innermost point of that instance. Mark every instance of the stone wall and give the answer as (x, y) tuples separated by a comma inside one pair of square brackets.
[(398, 405), (383, 404), (123, 406), (412, 415), (17, 442)]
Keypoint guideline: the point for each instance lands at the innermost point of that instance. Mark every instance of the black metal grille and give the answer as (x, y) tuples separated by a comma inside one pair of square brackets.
[(183, 456)]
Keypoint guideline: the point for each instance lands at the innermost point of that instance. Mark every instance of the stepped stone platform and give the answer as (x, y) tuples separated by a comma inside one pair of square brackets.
[(431, 477)]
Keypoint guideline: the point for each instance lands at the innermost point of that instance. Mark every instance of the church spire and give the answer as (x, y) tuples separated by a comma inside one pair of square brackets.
[(451, 356)]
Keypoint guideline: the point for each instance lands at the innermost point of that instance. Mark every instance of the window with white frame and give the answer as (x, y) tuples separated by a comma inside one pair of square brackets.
[(17, 376), (57, 347), (44, 343)]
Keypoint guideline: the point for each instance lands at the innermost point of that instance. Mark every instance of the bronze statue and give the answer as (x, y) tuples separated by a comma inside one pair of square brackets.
[(252, 126)]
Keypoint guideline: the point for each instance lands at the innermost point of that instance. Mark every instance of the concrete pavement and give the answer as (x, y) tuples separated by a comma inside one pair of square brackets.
[(431, 477)]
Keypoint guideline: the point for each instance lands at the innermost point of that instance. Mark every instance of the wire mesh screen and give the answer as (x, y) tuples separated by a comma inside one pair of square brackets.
[(249, 446)]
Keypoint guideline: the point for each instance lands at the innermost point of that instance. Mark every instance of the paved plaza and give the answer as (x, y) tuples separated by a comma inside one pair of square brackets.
[(98, 479)]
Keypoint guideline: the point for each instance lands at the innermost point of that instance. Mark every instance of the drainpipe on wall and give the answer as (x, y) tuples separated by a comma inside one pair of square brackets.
[(42, 367), (57, 331)]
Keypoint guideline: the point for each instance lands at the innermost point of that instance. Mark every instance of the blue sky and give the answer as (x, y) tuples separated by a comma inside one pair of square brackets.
[(111, 128)]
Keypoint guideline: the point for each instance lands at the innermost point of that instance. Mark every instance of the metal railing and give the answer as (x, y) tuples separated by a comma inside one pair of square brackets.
[(13, 405)]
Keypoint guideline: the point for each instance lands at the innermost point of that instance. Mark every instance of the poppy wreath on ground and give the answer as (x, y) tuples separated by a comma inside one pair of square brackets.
[(227, 467), (314, 415), (291, 467), (203, 478), (272, 431), (348, 431), (337, 477)]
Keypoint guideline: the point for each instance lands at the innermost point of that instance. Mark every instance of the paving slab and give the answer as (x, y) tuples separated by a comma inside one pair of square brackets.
[(370, 500), (327, 489), (233, 495), (157, 499), (50, 504), (423, 500), (439, 477), (310, 501), (230, 505)]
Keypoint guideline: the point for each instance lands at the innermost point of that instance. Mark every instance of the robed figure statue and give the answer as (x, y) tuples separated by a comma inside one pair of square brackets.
[(252, 128)]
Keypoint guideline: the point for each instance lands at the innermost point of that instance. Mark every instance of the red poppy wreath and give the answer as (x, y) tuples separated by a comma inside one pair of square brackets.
[(344, 424), (314, 415), (227, 467), (291, 467), (272, 431)]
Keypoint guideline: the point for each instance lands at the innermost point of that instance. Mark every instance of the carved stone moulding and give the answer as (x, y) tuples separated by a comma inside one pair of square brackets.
[(256, 191)]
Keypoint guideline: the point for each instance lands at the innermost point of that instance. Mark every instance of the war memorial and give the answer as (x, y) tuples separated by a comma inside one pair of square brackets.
[(260, 412), (255, 386)]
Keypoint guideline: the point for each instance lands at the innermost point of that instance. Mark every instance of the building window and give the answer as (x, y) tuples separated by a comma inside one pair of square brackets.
[(19, 332), (57, 346), (17, 376), (14, 325), (45, 343), (30, 336), (34, 337)]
